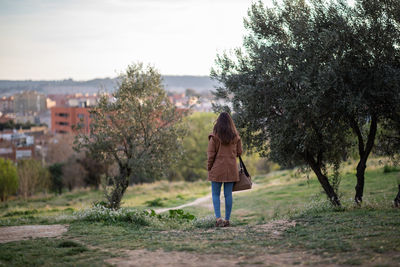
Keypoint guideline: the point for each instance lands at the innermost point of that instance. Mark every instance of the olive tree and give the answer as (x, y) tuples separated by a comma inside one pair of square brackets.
[(137, 128), (370, 72), (308, 73), (282, 85)]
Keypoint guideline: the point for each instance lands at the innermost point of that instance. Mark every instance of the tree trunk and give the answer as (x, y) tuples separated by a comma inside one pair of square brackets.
[(364, 152), (118, 192), (360, 181), (397, 199), (323, 180), (120, 185)]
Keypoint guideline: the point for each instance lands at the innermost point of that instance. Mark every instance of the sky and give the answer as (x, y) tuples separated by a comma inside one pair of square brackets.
[(87, 39)]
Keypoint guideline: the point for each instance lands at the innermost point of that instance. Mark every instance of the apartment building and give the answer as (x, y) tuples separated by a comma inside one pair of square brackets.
[(29, 102), (6, 104), (67, 119)]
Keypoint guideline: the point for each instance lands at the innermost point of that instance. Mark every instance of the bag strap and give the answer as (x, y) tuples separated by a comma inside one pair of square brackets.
[(242, 166)]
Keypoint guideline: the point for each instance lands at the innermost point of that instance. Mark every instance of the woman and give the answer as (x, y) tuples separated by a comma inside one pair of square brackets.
[(224, 146)]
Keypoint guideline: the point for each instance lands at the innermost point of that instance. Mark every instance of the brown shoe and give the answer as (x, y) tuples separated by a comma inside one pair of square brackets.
[(219, 222), (226, 223)]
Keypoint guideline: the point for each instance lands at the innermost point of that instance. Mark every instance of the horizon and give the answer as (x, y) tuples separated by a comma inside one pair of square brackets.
[(96, 78), (47, 40)]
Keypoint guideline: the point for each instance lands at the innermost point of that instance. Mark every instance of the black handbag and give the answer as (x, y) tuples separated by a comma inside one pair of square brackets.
[(244, 182)]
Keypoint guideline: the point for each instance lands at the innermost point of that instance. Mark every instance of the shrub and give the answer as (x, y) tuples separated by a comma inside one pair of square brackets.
[(181, 215), (33, 177), (19, 213), (100, 213), (56, 174), (388, 168), (8, 179), (204, 222), (155, 203)]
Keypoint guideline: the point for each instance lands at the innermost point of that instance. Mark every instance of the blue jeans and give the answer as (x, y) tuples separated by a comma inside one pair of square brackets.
[(216, 191)]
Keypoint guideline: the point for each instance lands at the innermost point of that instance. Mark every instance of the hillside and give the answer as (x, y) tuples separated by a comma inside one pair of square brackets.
[(283, 221), (202, 84)]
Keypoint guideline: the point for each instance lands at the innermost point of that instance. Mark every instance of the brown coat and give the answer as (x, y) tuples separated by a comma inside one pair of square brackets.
[(222, 165)]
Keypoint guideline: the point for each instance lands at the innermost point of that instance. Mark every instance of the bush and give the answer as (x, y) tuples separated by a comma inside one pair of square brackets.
[(33, 177), (155, 203), (8, 179), (192, 165), (56, 174), (388, 168), (99, 213), (19, 213), (205, 222), (181, 215)]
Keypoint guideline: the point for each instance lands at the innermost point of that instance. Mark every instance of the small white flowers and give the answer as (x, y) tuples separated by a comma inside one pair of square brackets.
[(101, 213)]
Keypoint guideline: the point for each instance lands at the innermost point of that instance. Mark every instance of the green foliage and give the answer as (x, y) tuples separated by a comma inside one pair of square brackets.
[(33, 177), (155, 203), (295, 85), (19, 213), (8, 179), (99, 213), (282, 86), (138, 130), (389, 168), (180, 214), (389, 138), (56, 174), (204, 222), (257, 165), (192, 166), (94, 170), (12, 125)]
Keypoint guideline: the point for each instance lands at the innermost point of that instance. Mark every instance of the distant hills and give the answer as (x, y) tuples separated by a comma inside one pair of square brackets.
[(202, 84)]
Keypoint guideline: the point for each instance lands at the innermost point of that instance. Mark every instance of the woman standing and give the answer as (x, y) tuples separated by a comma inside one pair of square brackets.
[(224, 146)]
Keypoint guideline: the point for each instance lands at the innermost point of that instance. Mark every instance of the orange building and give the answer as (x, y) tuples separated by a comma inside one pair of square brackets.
[(65, 119)]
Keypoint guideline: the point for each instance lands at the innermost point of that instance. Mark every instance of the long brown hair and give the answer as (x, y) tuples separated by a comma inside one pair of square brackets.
[(225, 129)]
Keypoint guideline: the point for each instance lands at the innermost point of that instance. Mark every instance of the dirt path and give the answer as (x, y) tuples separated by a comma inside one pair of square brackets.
[(143, 258), (16, 233), (196, 202), (203, 201)]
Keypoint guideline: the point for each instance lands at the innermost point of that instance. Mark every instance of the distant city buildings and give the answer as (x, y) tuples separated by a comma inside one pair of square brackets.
[(71, 113), (15, 145), (6, 104), (195, 103), (29, 103), (64, 114), (70, 120)]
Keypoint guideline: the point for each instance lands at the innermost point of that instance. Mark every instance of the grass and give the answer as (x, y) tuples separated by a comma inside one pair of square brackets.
[(351, 235), (53, 209), (50, 252)]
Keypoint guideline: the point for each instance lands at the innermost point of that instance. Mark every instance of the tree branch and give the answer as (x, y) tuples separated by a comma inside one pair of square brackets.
[(356, 129)]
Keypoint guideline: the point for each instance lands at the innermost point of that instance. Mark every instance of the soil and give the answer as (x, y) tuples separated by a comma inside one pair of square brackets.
[(16, 233), (181, 259), (143, 257)]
